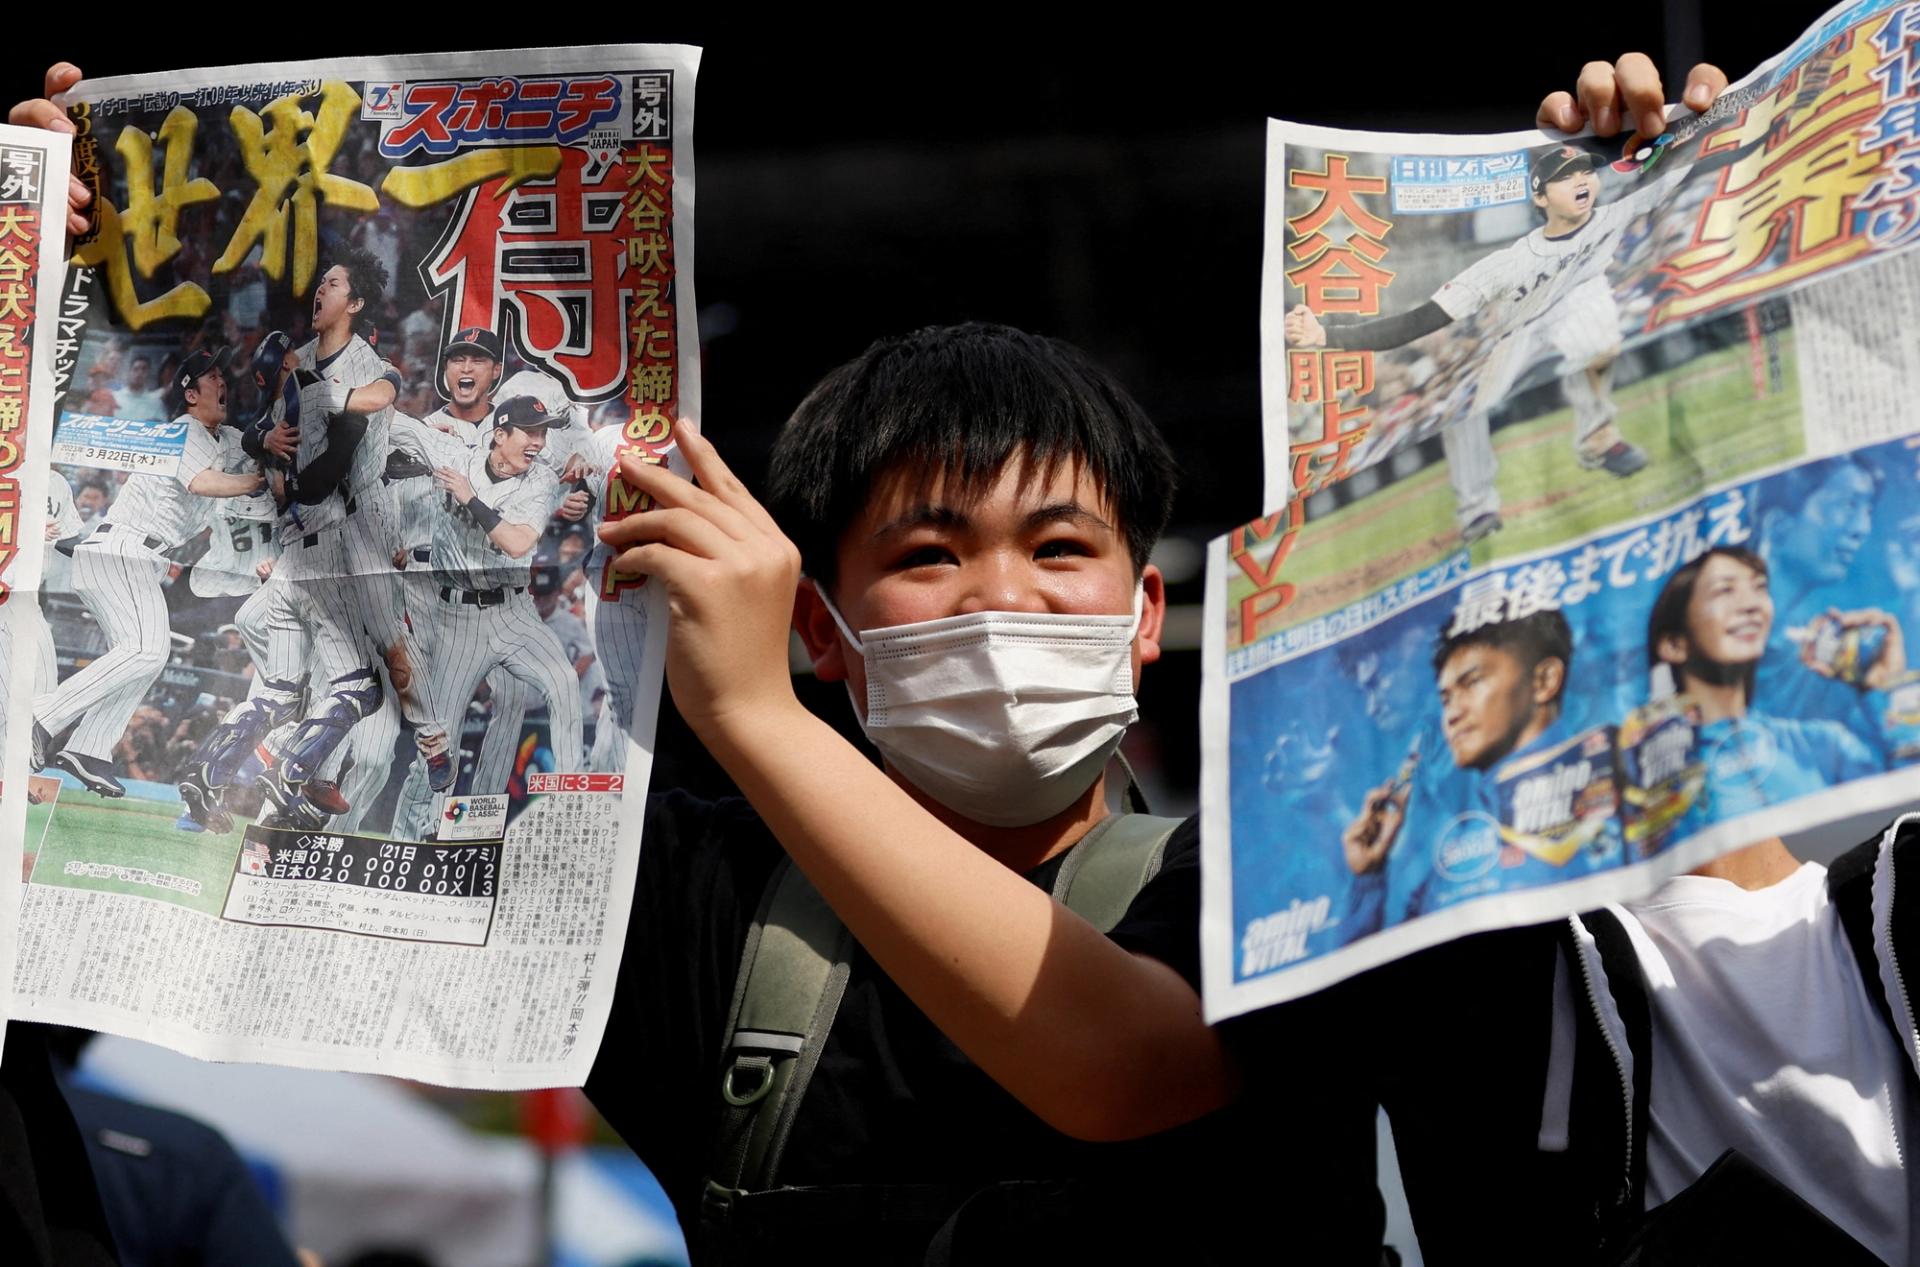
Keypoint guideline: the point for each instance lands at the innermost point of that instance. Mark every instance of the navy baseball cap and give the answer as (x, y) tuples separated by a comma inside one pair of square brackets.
[(1560, 161), (197, 365), (475, 339), (526, 413)]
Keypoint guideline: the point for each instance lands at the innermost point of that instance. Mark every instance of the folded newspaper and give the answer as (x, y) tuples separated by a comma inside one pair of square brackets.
[(1592, 544), (33, 214), (339, 716)]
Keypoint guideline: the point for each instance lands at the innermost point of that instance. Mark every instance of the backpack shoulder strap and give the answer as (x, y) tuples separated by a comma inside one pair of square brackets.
[(793, 971), (1100, 877)]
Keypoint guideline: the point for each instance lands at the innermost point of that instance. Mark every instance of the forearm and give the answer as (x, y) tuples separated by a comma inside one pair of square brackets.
[(374, 396), (517, 540), (1099, 1042), (1388, 332), (223, 484)]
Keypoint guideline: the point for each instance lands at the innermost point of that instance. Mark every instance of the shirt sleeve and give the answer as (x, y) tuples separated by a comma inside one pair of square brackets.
[(1475, 287), (532, 502), (199, 453), (60, 508)]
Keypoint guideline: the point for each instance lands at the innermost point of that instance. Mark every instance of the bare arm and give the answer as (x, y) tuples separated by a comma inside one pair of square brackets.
[(1100, 1043), (211, 483)]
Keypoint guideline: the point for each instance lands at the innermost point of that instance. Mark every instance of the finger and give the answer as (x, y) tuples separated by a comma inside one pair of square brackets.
[(40, 113), (1595, 89), (1560, 110), (675, 567), (78, 195), (1642, 98), (1705, 83), (669, 489), (714, 475), (61, 76), (684, 530)]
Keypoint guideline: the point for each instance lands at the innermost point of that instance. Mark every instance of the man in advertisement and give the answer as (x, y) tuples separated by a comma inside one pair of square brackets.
[(1539, 795)]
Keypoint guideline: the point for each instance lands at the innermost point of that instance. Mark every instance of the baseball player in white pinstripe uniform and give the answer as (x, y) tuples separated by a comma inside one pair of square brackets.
[(495, 506), (337, 542), (117, 572), (619, 624), (22, 618), (1548, 289)]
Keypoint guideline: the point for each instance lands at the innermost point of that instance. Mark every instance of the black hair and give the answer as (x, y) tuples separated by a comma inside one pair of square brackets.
[(959, 402), (366, 275), (1669, 616), (1542, 635)]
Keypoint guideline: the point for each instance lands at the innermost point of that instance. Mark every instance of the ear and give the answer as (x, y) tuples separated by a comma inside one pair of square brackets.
[(1549, 677), (1673, 648), (1153, 613), (817, 630)]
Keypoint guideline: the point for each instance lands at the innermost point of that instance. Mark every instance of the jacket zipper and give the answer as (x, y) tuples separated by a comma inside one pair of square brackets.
[(1606, 1036), (1906, 1006)]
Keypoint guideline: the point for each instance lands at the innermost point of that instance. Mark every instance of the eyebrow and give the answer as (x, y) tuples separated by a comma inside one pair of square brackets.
[(930, 515)]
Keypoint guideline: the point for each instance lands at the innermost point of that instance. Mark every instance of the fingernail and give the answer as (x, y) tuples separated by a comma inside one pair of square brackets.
[(60, 123), (1653, 123), (77, 191), (76, 224), (689, 424), (1697, 97)]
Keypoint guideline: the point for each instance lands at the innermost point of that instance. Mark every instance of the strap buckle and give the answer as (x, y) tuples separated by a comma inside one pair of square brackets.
[(761, 1070)]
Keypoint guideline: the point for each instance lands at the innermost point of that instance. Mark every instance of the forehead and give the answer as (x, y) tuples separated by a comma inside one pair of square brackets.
[(1721, 568), (1477, 657), (338, 273), (1017, 488), (1848, 483)]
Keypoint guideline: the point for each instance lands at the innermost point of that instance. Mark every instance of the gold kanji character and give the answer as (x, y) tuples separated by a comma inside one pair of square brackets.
[(287, 151), (150, 218), (108, 250), (647, 253), (652, 383), (437, 182)]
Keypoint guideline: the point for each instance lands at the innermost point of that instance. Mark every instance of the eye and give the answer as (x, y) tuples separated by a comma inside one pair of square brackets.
[(923, 556), (1062, 548)]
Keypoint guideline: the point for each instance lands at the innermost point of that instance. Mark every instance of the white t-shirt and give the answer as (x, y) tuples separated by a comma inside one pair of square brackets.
[(1765, 1040)]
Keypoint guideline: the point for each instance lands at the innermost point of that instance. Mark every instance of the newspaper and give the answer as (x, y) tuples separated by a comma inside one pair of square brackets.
[(347, 718), (1592, 544), (33, 205)]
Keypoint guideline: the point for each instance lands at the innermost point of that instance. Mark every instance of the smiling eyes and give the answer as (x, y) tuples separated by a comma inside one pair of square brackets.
[(936, 555)]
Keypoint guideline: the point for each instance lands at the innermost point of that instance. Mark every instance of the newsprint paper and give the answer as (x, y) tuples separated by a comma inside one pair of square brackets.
[(1592, 544), (340, 721), (33, 217)]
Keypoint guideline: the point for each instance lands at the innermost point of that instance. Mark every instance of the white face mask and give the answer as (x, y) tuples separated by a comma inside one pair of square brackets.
[(1005, 717)]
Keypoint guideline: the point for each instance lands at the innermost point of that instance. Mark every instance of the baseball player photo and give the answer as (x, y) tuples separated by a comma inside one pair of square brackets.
[(618, 624), (337, 542), (1544, 293), (495, 502), (118, 571)]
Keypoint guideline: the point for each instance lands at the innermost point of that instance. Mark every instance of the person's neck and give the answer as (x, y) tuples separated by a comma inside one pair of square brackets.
[(1021, 849), (1755, 867), (1563, 228), (333, 338), (211, 424), (470, 413), (1717, 701)]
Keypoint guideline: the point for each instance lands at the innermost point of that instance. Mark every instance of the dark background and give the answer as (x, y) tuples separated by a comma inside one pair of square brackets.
[(866, 174)]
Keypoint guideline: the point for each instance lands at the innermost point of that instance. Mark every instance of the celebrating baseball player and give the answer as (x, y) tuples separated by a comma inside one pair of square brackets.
[(1548, 288), (337, 543), (117, 573), (495, 505)]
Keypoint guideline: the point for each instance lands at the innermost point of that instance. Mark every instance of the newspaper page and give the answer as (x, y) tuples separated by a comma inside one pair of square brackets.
[(33, 216), (1592, 544), (350, 719)]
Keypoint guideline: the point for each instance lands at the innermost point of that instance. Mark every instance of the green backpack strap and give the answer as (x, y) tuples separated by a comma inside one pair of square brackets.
[(1111, 864), (793, 971)]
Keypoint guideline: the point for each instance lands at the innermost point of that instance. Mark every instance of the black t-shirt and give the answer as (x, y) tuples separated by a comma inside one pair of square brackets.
[(892, 1101)]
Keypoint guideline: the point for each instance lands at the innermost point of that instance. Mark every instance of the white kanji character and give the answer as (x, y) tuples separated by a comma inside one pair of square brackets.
[(1482, 602), (1536, 587), (1677, 541)]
